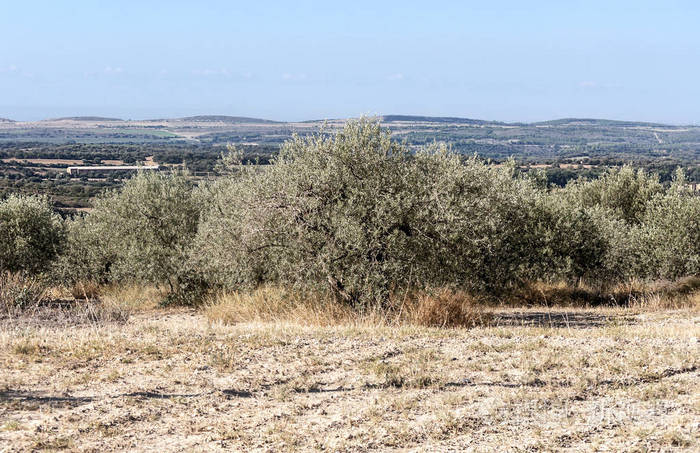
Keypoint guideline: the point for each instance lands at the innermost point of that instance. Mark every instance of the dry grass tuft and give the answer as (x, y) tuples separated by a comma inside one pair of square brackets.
[(684, 293), (85, 290), (272, 304), (29, 301), (445, 308), (102, 312), (19, 293), (68, 313), (686, 285), (135, 297), (439, 308)]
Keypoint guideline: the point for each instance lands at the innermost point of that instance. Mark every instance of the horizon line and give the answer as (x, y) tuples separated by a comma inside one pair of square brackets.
[(427, 117)]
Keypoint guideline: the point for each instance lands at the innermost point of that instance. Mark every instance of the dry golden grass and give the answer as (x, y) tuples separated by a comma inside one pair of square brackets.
[(272, 304), (620, 380), (684, 293), (135, 297), (439, 308), (85, 290), (274, 371), (444, 308), (19, 292)]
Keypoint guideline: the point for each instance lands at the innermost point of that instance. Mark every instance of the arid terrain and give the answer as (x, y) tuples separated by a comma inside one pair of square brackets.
[(533, 380)]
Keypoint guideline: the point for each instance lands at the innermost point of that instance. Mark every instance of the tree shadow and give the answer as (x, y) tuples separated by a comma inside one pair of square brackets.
[(34, 400), (559, 319), (159, 395)]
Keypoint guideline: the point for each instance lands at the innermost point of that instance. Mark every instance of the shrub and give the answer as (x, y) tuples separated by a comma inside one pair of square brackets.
[(19, 292), (141, 233), (90, 249), (31, 234), (361, 215), (670, 239), (444, 308), (615, 233), (574, 243), (623, 192)]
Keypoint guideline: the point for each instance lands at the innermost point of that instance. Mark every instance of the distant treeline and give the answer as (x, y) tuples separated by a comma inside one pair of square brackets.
[(565, 164)]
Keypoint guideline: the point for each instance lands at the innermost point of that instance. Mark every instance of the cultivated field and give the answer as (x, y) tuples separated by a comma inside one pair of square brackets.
[(532, 380)]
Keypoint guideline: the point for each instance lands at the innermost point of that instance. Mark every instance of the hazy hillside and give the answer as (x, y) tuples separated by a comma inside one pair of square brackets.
[(597, 122), (224, 119), (86, 118), (434, 119), (556, 139)]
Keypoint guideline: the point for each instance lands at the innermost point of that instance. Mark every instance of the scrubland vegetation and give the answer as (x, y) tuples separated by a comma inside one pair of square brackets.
[(309, 304), (357, 218)]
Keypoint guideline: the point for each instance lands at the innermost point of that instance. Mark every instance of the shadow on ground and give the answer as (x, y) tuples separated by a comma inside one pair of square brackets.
[(572, 320), (27, 400)]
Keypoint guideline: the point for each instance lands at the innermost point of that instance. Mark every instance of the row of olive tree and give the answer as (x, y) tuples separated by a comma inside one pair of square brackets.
[(361, 216)]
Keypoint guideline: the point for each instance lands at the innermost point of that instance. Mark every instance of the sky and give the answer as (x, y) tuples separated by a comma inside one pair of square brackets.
[(300, 60)]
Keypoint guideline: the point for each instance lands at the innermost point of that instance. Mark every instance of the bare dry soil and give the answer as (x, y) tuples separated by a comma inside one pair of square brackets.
[(580, 380)]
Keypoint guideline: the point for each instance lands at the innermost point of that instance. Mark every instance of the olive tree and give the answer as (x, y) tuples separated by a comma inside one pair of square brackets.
[(362, 215), (671, 234), (624, 192), (141, 232), (31, 234)]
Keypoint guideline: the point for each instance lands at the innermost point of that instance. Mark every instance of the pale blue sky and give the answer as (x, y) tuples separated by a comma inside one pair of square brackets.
[(501, 60)]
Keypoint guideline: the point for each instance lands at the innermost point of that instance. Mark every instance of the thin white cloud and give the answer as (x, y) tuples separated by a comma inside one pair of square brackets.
[(593, 85), (212, 72), (291, 76), (16, 71), (9, 68), (397, 76), (221, 73), (113, 70)]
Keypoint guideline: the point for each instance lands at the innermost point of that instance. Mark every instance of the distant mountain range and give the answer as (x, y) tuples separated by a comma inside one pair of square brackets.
[(226, 119), (84, 118), (384, 118), (434, 119), (555, 139), (557, 122), (194, 119), (597, 122)]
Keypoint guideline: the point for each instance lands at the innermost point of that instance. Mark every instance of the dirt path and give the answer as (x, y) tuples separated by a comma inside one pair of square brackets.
[(171, 382)]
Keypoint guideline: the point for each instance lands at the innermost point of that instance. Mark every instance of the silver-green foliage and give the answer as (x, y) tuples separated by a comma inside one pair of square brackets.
[(31, 234), (362, 215), (141, 232), (646, 231), (623, 192), (671, 234)]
